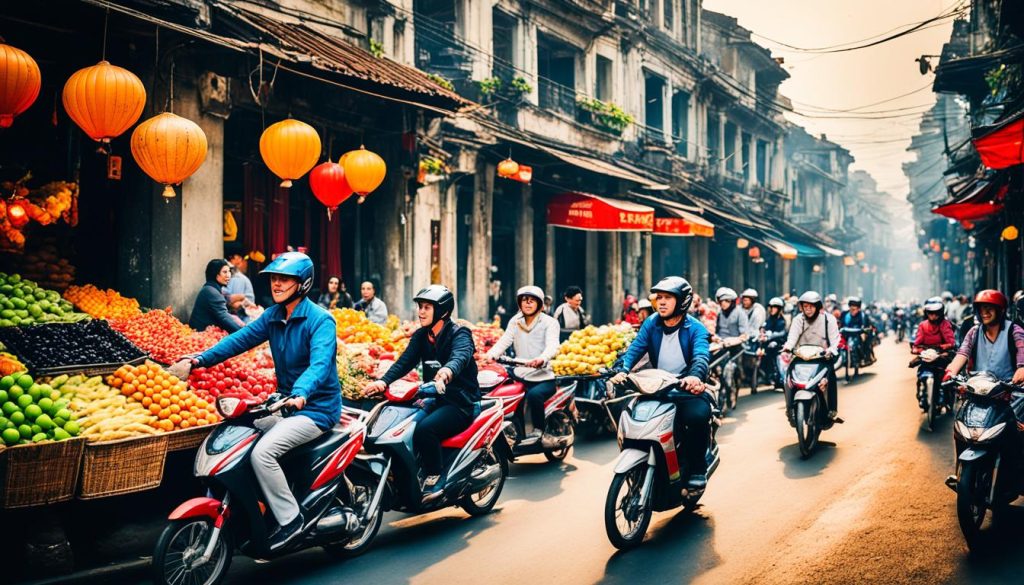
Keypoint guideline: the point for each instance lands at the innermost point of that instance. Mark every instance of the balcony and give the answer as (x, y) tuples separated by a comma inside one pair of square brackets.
[(556, 97)]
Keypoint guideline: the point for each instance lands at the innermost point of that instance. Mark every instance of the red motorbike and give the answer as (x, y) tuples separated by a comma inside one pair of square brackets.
[(507, 381)]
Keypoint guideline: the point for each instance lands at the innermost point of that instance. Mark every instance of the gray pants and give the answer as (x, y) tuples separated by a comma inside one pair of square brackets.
[(280, 435)]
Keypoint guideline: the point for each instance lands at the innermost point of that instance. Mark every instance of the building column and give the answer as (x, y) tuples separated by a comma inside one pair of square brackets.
[(736, 163), (787, 276), (474, 21), (613, 278), (426, 208), (698, 265), (524, 47), (449, 243), (524, 237), (646, 260), (478, 275), (752, 158), (549, 262), (721, 143), (591, 279)]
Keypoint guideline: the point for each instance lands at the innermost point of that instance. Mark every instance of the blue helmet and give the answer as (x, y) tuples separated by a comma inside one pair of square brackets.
[(294, 264)]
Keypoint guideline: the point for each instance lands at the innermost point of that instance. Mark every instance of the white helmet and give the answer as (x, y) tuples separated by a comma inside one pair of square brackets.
[(811, 297), (725, 294), (934, 305), (749, 293), (530, 291), (644, 304)]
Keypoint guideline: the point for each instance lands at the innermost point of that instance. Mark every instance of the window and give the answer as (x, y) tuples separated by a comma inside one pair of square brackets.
[(504, 31), (654, 111), (714, 148), (556, 68), (762, 163), (681, 122), (668, 15), (603, 79)]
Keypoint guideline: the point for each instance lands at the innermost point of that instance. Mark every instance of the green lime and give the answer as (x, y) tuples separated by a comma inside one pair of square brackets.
[(25, 431), (35, 391), (11, 436), (60, 434), (38, 437), (32, 411), (36, 429), (10, 408), (25, 381), (44, 421), (6, 382), (64, 414), (24, 400), (59, 422), (3, 396), (35, 311), (18, 417), (60, 403), (71, 427), (14, 393), (45, 403)]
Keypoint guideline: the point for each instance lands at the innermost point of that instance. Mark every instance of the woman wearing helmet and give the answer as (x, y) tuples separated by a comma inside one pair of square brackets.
[(754, 311), (438, 339), (644, 309), (304, 342), (677, 342), (815, 326), (936, 331), (533, 335), (995, 346), (730, 322)]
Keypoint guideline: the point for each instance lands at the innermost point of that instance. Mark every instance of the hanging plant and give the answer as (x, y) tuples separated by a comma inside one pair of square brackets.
[(376, 48), (443, 82), (489, 86)]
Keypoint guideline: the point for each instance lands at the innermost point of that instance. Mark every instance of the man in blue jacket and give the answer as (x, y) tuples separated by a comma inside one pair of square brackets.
[(678, 343), (303, 340)]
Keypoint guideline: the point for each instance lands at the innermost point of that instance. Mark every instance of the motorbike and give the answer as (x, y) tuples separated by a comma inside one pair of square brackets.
[(990, 467), (931, 396), (506, 383), (851, 351), (900, 326), (595, 415), (203, 534), (725, 371), (648, 474), (806, 382), (758, 371)]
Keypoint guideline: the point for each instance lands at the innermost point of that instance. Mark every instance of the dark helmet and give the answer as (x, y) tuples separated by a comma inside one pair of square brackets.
[(439, 296), (294, 264), (678, 287), (776, 302), (854, 301)]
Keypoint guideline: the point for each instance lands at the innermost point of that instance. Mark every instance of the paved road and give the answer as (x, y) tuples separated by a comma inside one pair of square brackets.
[(869, 507)]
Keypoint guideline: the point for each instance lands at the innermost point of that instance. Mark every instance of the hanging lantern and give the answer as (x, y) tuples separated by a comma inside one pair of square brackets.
[(169, 149), (507, 168), (19, 83), (364, 171), (328, 183), (848, 261), (1009, 233), (525, 174), (865, 269), (290, 148), (754, 252), (946, 255), (17, 214), (104, 100), (860, 255), (742, 243), (816, 268)]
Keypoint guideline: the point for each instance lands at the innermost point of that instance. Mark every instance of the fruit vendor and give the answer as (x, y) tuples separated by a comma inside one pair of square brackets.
[(211, 307), (375, 309), (533, 335), (304, 344)]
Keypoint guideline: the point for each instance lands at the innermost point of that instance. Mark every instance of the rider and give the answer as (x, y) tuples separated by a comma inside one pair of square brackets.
[(815, 326), (996, 346), (754, 310), (730, 323), (678, 343), (774, 330), (936, 331), (304, 343), (854, 318), (534, 336), (644, 309), (458, 402)]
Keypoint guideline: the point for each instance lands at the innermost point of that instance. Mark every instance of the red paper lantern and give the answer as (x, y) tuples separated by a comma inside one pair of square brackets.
[(329, 185), (16, 214)]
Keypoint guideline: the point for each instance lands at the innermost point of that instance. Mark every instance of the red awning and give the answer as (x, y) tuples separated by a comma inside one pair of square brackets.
[(686, 224), (1001, 145), (981, 200), (584, 211)]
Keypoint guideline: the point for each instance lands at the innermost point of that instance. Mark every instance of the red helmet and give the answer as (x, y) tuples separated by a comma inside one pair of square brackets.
[(991, 297)]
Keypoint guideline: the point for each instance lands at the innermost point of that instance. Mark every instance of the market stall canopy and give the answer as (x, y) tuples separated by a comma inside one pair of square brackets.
[(681, 221), (584, 211), (1001, 145), (976, 200)]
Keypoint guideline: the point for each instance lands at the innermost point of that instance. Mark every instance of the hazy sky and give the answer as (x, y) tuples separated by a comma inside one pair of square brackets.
[(855, 78)]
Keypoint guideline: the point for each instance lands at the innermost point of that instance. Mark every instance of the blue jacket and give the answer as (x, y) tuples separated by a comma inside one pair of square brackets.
[(304, 347), (211, 308), (693, 338)]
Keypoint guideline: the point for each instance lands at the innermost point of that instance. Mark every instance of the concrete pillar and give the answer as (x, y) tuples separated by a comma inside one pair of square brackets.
[(449, 243), (591, 279), (524, 47), (787, 276), (697, 272), (426, 208), (613, 278), (736, 163), (721, 143), (524, 237), (739, 261), (646, 260), (389, 214), (549, 263), (752, 164), (474, 23), (479, 269)]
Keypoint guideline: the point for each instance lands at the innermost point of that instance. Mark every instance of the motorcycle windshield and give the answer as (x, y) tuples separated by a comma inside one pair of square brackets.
[(389, 417), (646, 410), (226, 437), (804, 372)]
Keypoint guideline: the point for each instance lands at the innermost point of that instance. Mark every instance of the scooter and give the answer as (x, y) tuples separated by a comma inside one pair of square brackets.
[(852, 354), (649, 476), (202, 534), (931, 396), (990, 465), (725, 371), (757, 370), (507, 382), (594, 417), (806, 382)]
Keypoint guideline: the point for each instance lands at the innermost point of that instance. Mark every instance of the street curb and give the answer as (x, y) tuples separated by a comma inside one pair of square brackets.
[(90, 574)]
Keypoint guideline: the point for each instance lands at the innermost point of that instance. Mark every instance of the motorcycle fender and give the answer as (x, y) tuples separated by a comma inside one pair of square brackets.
[(197, 507), (629, 459), (501, 446), (972, 454), (803, 395)]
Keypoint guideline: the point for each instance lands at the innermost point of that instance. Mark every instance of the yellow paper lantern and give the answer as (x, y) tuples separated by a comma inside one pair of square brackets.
[(19, 83), (946, 255), (742, 243), (364, 170), (169, 149), (104, 100), (1009, 233), (507, 168), (290, 148)]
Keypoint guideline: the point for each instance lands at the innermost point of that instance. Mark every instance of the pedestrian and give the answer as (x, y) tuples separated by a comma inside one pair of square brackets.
[(495, 305), (375, 309), (335, 296), (549, 305), (570, 314), (211, 307), (239, 291)]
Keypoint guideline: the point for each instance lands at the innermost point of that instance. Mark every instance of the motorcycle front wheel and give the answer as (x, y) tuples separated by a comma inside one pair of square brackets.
[(848, 360), (625, 520), (180, 544), (972, 490), (559, 425), (807, 430), (483, 501)]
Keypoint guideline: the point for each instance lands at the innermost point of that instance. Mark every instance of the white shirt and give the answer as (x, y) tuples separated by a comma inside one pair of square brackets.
[(537, 341), (670, 355), (823, 328)]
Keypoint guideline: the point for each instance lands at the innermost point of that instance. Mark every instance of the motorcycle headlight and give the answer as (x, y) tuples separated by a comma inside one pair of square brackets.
[(992, 432), (962, 430)]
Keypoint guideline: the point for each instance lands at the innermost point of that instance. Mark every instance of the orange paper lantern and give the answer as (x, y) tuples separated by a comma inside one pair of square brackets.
[(19, 83), (364, 170), (507, 168), (104, 100), (290, 148), (169, 149)]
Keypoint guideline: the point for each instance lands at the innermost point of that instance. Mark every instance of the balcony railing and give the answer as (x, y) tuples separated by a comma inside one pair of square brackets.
[(556, 97)]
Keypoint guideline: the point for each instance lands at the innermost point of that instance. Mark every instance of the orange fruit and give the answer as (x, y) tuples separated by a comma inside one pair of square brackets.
[(164, 413), (138, 396), (175, 409), (185, 424), (174, 418), (115, 382), (202, 421), (165, 393), (154, 408), (202, 403), (146, 401), (192, 421), (166, 425), (211, 418), (164, 403)]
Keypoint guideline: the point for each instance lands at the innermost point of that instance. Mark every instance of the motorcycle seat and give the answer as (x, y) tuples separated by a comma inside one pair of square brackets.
[(490, 407)]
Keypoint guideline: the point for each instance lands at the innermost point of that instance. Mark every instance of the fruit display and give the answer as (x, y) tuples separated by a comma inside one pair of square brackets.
[(360, 364), (250, 376), (104, 413), (31, 412), (22, 302), (166, 397), (485, 335), (102, 304), (45, 266), (592, 348), (164, 337), (44, 205), (66, 344), (354, 327), (10, 364)]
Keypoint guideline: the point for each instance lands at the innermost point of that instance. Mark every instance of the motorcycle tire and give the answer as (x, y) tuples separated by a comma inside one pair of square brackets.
[(185, 532), (933, 403), (633, 479), (972, 488), (848, 362), (559, 425), (361, 542), (484, 506), (806, 429), (755, 376)]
